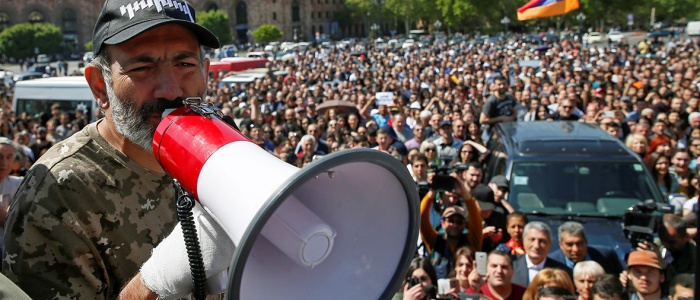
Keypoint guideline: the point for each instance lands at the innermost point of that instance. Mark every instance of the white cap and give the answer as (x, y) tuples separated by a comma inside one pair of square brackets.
[(242, 105), (415, 105)]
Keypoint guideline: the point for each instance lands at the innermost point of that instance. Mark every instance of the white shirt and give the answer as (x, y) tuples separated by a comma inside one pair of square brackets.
[(8, 188), (533, 269)]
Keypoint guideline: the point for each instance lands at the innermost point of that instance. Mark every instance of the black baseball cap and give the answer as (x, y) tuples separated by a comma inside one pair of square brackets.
[(121, 20)]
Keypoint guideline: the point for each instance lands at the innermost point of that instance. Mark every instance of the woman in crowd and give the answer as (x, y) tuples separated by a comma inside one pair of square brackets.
[(469, 152), (585, 274), (661, 144), (548, 277), (459, 282), (637, 143), (424, 272), (474, 131), (429, 149), (659, 164)]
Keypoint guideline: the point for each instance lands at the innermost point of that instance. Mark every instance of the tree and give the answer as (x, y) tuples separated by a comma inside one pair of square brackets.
[(88, 46), (454, 11), (217, 22), (267, 33), (20, 40)]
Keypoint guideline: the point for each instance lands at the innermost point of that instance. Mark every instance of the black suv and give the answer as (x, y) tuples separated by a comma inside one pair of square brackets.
[(562, 171)]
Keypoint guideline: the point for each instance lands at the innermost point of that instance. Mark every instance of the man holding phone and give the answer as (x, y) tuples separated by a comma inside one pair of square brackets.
[(497, 284)]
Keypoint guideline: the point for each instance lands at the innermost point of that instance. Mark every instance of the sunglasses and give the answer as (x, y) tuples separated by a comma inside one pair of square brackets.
[(458, 221), (430, 150)]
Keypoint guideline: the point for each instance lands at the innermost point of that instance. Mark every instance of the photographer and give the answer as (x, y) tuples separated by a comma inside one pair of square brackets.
[(454, 220), (678, 251)]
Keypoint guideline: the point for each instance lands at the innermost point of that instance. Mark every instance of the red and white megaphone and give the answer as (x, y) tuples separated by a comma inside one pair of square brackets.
[(343, 227)]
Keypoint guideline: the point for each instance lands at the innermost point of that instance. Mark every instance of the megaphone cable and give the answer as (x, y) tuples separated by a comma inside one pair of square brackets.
[(185, 203)]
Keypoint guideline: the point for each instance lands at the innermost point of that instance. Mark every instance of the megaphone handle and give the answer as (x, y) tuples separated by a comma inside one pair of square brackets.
[(185, 203)]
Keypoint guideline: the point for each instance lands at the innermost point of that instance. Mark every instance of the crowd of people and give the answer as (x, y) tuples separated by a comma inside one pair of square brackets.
[(429, 107)]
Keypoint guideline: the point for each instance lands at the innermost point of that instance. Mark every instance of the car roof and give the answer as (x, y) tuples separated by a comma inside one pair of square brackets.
[(560, 138)]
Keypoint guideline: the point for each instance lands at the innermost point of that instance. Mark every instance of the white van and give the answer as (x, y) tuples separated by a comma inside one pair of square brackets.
[(37, 95), (693, 28)]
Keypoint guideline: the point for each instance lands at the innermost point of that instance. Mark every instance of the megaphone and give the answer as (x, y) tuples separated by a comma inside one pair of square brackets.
[(343, 227)]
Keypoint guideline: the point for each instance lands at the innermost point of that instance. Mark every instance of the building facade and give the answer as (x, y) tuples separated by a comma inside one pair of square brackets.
[(304, 19)]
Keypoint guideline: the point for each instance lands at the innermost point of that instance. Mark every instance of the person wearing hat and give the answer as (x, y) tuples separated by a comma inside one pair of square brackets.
[(453, 220), (41, 142), (94, 220), (645, 274), (447, 145)]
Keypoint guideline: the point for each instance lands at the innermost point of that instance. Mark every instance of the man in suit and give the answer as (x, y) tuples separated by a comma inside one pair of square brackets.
[(537, 240), (573, 248)]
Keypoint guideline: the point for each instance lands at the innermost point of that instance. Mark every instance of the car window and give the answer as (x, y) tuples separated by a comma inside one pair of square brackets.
[(586, 187)]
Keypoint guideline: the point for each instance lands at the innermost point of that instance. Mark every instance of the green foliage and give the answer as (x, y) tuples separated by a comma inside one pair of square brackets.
[(217, 22), (454, 11), (267, 33), (88, 46), (485, 16), (19, 41)]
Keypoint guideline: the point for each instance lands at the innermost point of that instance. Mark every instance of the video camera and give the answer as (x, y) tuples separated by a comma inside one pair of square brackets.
[(442, 180), (640, 221)]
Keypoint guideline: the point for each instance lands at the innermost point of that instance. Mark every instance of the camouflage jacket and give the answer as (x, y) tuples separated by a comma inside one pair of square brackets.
[(84, 220)]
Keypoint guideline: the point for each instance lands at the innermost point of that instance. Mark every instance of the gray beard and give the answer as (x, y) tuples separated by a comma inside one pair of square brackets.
[(130, 121)]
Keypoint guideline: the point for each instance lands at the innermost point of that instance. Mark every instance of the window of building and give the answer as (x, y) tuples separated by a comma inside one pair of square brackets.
[(4, 21), (241, 13), (36, 17), (69, 21), (296, 16), (212, 6), (328, 15), (274, 16), (320, 14)]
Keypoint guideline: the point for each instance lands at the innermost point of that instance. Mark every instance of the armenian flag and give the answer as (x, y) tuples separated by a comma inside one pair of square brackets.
[(546, 8)]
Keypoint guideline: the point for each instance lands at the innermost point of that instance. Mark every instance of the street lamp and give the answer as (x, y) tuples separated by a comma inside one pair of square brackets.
[(505, 21), (437, 25), (374, 28), (581, 18)]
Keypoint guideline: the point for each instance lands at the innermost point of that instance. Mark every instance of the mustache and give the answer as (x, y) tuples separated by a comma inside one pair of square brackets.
[(159, 105)]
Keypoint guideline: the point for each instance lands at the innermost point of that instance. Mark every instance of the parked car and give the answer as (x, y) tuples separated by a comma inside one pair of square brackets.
[(659, 33), (88, 57), (408, 43), (551, 37), (562, 171), (693, 28), (272, 47), (615, 36), (228, 51), (27, 76), (595, 37), (43, 59)]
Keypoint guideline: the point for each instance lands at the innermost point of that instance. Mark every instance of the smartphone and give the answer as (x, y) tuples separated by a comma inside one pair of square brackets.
[(454, 283), (481, 263), (609, 114)]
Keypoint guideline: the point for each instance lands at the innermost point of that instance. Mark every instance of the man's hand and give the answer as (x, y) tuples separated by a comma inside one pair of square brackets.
[(167, 272), (495, 234), (476, 281)]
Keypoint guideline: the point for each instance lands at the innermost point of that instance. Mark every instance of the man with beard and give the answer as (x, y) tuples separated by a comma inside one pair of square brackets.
[(500, 106), (498, 282), (90, 212)]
